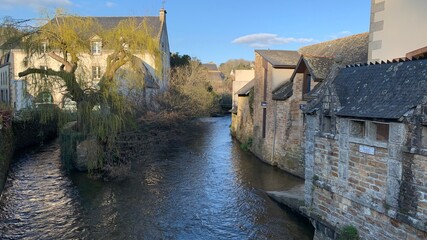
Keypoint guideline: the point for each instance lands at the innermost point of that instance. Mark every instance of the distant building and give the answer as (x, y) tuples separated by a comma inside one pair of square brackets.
[(215, 77), (241, 78)]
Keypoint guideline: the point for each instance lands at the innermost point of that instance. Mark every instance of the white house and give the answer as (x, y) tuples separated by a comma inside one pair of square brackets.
[(93, 64)]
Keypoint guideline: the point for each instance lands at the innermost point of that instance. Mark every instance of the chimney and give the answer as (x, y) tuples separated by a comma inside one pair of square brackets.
[(162, 15)]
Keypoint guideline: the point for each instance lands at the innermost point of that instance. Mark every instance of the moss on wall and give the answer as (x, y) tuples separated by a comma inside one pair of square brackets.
[(6, 151)]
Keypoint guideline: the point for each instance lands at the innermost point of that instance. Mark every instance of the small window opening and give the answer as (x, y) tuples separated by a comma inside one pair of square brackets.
[(357, 129), (382, 132)]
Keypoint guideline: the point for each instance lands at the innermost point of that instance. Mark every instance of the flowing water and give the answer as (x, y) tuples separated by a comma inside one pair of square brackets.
[(208, 188)]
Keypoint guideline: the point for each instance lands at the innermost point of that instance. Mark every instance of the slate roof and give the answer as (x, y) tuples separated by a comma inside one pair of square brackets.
[(319, 67), (280, 58), (352, 49), (382, 91), (154, 24), (244, 91), (319, 59), (284, 92)]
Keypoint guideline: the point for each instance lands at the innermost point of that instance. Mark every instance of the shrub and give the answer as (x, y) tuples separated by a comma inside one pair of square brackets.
[(247, 145), (348, 232)]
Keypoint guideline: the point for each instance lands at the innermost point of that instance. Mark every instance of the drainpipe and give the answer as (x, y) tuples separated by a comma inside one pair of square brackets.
[(274, 134)]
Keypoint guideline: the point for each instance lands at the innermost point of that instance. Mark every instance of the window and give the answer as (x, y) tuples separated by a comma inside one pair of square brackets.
[(44, 75), (382, 131), (44, 47), (96, 72), (326, 124), (357, 129), (44, 97), (96, 47), (306, 84), (424, 137)]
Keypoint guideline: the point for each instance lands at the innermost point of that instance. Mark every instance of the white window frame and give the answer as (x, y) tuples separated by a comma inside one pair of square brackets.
[(96, 47)]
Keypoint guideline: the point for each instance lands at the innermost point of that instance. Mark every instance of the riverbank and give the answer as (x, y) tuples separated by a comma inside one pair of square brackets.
[(154, 134)]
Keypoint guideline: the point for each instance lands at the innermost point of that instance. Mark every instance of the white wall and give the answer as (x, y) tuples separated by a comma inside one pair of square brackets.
[(281, 76), (241, 78), (397, 27), (84, 72)]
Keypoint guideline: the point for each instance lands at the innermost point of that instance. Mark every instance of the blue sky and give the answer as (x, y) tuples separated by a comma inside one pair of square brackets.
[(219, 30)]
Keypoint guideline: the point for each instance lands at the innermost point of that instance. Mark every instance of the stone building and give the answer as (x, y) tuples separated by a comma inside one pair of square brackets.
[(366, 151), (93, 64), (216, 78), (272, 69), (242, 123), (241, 78), (283, 82)]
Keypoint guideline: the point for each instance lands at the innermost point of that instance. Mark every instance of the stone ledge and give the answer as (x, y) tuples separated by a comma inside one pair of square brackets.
[(293, 198)]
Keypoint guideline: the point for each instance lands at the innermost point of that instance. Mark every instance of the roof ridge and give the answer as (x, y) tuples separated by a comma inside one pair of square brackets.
[(396, 60), (317, 56), (335, 40), (118, 16)]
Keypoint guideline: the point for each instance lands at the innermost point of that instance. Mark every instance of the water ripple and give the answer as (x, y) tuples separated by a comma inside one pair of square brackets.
[(205, 189)]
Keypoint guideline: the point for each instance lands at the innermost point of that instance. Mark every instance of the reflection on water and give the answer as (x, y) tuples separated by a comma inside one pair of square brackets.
[(206, 189), (39, 200)]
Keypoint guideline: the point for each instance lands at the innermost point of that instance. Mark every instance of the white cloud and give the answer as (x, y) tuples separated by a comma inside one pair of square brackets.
[(34, 4), (262, 40), (110, 4)]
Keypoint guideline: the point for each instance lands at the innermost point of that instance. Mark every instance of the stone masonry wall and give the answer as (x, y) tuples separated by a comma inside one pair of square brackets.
[(413, 191), (262, 147), (242, 123), (282, 145), (288, 150), (358, 181)]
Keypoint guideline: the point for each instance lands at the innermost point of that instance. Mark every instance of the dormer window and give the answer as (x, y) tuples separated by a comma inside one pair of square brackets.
[(96, 47)]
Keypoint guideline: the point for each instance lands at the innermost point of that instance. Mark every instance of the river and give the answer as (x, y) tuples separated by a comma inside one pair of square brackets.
[(208, 188)]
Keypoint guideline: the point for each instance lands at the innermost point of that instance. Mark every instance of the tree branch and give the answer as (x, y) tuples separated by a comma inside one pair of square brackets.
[(68, 66), (70, 81), (49, 72)]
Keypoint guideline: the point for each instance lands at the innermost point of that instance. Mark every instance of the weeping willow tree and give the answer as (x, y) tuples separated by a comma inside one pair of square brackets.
[(67, 41)]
